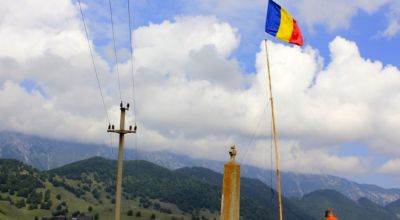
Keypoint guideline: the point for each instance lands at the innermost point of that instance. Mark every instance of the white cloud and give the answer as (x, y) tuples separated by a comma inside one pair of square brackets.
[(391, 167), (32, 113), (335, 14), (346, 103), (51, 27), (194, 98), (393, 27), (294, 156), (174, 41), (249, 15), (43, 42)]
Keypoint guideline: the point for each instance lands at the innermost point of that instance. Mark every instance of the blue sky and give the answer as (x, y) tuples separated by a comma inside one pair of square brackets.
[(365, 31), (200, 79), (364, 28)]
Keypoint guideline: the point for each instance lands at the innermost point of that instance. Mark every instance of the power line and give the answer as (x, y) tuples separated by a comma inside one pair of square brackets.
[(115, 50), (132, 63), (132, 75), (94, 67), (93, 63), (253, 136)]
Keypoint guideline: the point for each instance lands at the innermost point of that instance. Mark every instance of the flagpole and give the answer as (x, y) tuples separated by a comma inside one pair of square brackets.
[(278, 175)]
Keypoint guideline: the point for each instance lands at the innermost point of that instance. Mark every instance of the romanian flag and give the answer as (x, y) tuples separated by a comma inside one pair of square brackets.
[(281, 25)]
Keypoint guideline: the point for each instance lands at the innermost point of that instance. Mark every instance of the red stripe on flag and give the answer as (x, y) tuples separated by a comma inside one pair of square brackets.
[(296, 37)]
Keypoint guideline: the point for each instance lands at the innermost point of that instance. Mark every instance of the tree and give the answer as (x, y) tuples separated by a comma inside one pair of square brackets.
[(153, 216), (20, 203), (157, 206), (46, 205), (90, 209), (96, 194), (130, 213), (64, 211), (96, 216), (32, 206), (195, 217), (138, 214), (47, 195), (58, 196), (75, 214)]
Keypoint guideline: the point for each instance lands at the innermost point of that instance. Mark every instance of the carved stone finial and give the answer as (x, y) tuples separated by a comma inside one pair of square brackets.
[(232, 152)]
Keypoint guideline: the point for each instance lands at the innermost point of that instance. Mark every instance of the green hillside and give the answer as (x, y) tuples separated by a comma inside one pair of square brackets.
[(190, 189), (394, 207), (344, 208), (46, 153), (153, 192), (144, 179), (254, 193), (86, 188), (374, 211)]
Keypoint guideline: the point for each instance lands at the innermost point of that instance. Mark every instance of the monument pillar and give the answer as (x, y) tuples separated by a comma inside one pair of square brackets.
[(230, 201)]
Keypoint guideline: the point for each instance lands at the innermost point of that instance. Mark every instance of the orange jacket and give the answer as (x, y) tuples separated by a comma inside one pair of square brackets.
[(331, 217)]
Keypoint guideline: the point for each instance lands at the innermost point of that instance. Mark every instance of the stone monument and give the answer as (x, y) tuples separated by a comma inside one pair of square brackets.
[(230, 201)]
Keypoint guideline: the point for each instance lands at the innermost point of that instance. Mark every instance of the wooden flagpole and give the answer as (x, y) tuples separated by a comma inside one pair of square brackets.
[(278, 175)]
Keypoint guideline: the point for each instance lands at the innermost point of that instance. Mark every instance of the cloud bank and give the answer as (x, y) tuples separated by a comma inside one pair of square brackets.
[(193, 97)]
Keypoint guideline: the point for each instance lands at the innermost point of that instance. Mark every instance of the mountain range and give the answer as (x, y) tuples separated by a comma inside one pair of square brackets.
[(45, 154), (153, 192), (147, 187)]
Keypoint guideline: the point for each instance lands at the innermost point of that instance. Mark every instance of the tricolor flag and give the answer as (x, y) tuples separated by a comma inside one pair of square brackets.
[(281, 25)]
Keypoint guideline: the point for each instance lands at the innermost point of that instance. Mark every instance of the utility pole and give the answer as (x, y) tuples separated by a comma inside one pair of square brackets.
[(121, 133)]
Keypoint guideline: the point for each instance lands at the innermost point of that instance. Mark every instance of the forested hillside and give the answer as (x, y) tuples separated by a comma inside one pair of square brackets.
[(87, 188), (46, 153), (317, 202), (152, 192)]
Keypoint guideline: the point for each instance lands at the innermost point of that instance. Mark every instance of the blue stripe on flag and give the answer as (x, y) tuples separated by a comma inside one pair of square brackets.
[(273, 18)]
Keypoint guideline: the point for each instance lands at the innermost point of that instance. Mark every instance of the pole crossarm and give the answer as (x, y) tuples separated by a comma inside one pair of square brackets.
[(122, 131)]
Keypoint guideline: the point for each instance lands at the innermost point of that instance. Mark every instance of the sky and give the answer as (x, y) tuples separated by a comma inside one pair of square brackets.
[(200, 80)]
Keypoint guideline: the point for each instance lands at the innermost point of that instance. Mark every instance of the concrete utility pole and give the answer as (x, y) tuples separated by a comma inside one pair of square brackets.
[(121, 133), (230, 201)]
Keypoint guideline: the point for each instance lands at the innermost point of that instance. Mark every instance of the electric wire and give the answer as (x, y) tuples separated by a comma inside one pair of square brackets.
[(94, 67), (132, 63), (253, 136), (115, 50), (133, 78), (93, 63)]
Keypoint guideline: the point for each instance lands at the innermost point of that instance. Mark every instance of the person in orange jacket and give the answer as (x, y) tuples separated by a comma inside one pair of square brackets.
[(329, 215)]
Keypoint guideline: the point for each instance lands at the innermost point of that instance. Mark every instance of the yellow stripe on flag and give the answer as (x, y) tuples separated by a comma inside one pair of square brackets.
[(286, 26)]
